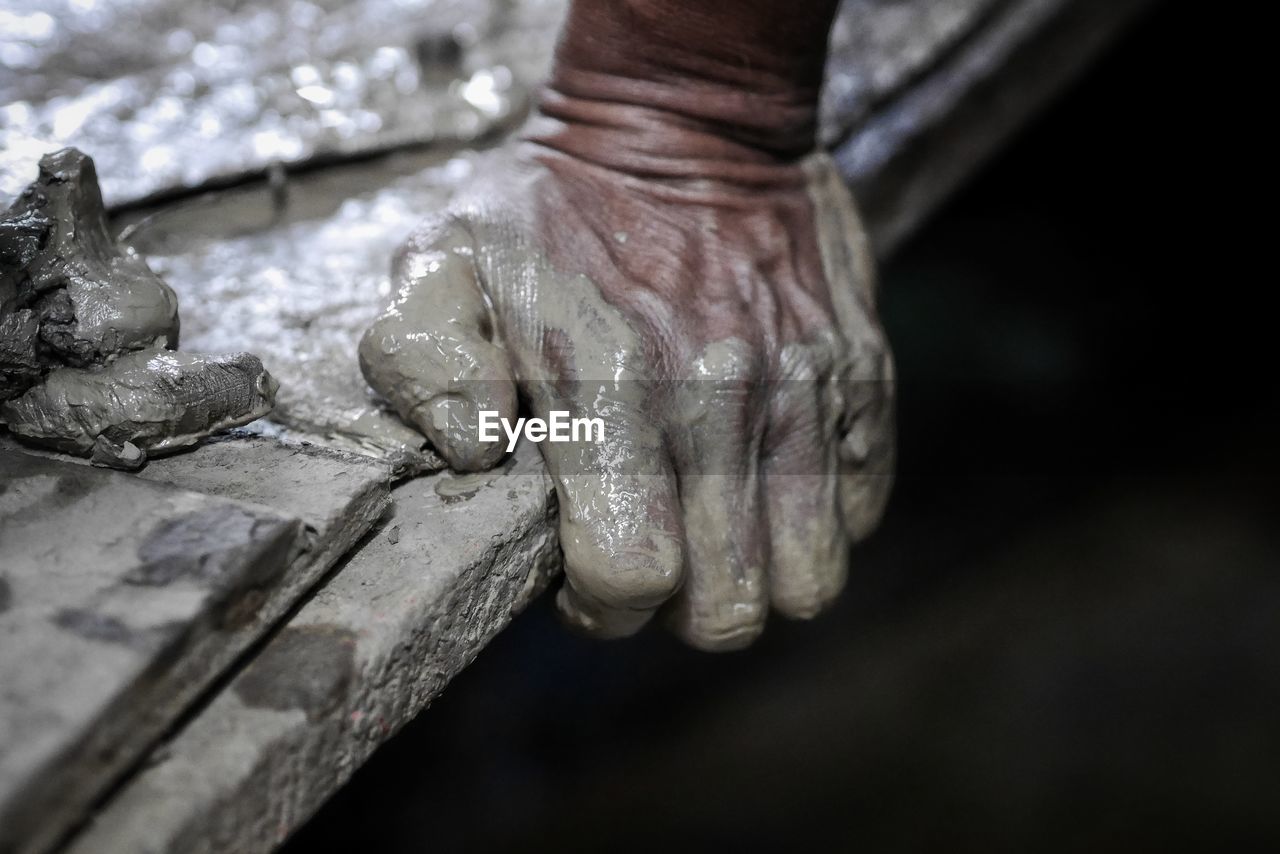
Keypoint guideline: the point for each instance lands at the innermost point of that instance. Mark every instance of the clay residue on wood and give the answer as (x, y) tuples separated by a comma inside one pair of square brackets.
[(300, 291), (68, 294), (84, 327), (463, 487), (208, 547), (153, 401), (92, 626), (306, 667)]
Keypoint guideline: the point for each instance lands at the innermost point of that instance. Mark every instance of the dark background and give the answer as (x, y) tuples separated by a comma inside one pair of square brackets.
[(1066, 634)]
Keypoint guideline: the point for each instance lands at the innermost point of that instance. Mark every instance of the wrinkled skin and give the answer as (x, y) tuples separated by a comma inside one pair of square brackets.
[(707, 292)]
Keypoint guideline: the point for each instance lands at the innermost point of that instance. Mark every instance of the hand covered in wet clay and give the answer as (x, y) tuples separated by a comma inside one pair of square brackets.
[(663, 251)]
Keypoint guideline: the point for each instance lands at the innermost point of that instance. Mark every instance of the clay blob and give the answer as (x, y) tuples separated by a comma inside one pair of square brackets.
[(69, 294), (87, 331), (148, 402)]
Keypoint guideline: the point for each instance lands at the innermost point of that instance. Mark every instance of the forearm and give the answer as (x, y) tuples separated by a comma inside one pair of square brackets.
[(668, 85)]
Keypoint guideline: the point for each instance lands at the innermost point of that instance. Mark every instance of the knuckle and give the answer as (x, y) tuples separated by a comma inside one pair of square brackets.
[(732, 362), (375, 335), (864, 498), (810, 361), (379, 342), (863, 388), (626, 576), (868, 438), (870, 355), (725, 629), (797, 602), (722, 384), (373, 345)]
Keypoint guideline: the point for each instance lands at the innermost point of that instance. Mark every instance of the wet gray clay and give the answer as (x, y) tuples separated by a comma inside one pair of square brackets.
[(87, 332)]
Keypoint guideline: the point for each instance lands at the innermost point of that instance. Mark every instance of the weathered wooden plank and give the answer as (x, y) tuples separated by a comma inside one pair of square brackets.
[(407, 612), (330, 500), (108, 581)]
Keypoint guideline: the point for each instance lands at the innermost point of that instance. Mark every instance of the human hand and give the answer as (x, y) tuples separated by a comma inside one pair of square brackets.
[(727, 337), (663, 251)]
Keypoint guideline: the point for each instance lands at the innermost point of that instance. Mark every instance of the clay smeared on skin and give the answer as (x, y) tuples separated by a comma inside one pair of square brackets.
[(666, 254), (619, 530), (698, 501), (150, 402), (867, 377), (622, 544)]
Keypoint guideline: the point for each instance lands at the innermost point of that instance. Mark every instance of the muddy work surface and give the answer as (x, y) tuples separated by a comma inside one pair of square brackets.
[(302, 285), (123, 596), (168, 95), (103, 575)]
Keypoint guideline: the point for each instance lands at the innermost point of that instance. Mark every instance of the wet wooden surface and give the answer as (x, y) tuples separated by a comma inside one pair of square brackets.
[(107, 579), (122, 597), (459, 557)]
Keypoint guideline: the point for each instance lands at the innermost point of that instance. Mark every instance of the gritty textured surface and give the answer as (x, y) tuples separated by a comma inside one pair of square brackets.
[(462, 555), (327, 502), (299, 290), (108, 580)]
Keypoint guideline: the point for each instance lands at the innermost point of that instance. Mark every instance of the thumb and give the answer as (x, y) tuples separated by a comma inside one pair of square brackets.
[(432, 353)]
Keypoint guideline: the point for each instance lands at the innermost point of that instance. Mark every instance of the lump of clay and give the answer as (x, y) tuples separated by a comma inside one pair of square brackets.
[(69, 294), (147, 402), (84, 327)]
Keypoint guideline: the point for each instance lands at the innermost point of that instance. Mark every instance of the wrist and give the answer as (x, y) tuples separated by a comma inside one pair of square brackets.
[(665, 87)]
